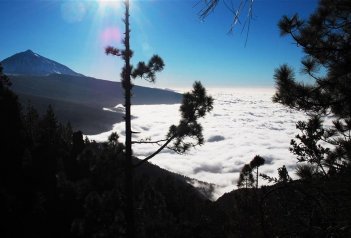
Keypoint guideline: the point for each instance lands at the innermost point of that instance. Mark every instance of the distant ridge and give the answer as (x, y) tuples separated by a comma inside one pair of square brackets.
[(76, 98), (30, 63)]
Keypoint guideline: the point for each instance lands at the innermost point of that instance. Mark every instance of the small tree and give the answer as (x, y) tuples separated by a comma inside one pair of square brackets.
[(246, 178), (49, 128), (256, 162), (77, 143), (4, 79), (283, 175), (310, 150)]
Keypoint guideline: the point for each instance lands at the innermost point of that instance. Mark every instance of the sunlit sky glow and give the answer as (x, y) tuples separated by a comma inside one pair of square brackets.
[(75, 32), (108, 4)]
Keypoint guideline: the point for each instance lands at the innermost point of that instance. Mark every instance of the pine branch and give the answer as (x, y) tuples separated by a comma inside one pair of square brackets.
[(155, 153)]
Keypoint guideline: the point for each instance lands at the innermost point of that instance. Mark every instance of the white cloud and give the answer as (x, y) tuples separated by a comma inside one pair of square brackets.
[(244, 123)]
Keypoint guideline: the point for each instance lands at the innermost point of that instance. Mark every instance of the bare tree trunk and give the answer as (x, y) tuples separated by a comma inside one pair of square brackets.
[(257, 177), (128, 143)]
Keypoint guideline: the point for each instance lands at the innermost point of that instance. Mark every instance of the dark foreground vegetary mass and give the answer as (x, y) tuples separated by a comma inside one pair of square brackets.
[(55, 183)]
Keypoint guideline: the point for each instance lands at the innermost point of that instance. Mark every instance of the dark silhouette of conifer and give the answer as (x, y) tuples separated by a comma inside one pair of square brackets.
[(325, 39), (246, 178), (4, 79), (126, 54), (71, 162), (195, 105), (49, 126), (11, 136), (188, 133), (283, 175), (306, 171), (30, 121), (256, 162)]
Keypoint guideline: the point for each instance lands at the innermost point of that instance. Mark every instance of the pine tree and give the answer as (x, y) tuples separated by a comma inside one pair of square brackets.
[(49, 126), (283, 175), (325, 39), (246, 178), (11, 136), (195, 105), (306, 171), (256, 162)]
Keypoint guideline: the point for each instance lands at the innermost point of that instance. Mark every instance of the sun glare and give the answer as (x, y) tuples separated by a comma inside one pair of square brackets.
[(108, 4)]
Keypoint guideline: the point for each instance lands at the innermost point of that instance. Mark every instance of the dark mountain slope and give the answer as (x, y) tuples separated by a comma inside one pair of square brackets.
[(30, 63), (75, 97), (314, 208), (88, 90), (81, 100), (155, 172)]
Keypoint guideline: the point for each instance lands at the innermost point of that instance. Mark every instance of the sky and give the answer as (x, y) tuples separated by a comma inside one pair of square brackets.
[(75, 33)]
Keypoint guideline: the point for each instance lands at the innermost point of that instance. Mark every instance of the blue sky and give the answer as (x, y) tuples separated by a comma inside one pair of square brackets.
[(75, 33)]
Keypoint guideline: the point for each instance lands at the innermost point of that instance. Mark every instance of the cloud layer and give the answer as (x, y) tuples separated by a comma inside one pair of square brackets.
[(243, 123)]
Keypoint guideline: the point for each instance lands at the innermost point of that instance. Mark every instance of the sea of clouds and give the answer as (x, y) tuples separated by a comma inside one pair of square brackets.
[(244, 123)]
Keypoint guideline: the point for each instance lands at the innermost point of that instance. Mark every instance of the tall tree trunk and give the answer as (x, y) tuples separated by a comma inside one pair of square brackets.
[(128, 142), (257, 177)]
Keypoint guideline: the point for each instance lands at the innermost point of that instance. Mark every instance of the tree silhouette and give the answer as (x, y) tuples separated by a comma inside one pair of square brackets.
[(325, 39), (256, 162), (30, 121), (11, 136), (4, 79), (126, 54), (310, 149), (49, 126), (246, 178), (283, 175), (188, 133), (195, 105), (306, 171)]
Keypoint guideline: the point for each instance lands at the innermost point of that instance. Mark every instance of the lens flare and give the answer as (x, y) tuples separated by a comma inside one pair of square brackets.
[(111, 36)]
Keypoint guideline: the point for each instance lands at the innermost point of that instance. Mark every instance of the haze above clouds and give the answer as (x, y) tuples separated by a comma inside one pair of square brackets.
[(243, 123)]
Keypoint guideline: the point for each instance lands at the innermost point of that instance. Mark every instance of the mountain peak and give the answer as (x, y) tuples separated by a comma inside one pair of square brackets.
[(30, 63), (30, 53)]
